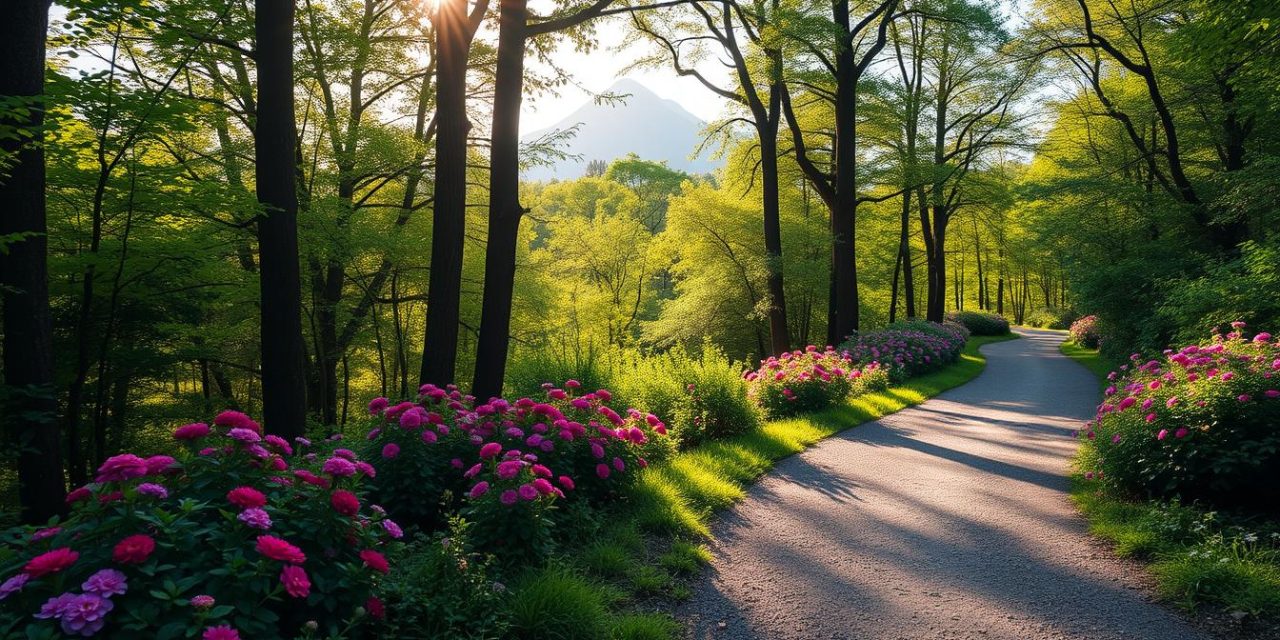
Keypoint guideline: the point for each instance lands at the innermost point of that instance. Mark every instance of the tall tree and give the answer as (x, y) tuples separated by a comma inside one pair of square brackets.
[(856, 46), (454, 33), (284, 392), (27, 396)]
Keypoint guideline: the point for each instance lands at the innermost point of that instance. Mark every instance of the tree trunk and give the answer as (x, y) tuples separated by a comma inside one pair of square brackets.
[(505, 209), (843, 217), (779, 340), (284, 401), (30, 407), (444, 287)]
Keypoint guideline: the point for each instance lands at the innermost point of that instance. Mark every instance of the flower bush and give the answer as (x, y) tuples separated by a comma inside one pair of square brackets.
[(1199, 422), (980, 323), (907, 349), (803, 380), (1085, 333), (239, 536), (504, 464)]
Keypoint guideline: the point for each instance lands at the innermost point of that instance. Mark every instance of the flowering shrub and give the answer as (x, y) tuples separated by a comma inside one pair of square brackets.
[(1084, 332), (240, 536), (980, 323), (505, 464), (907, 349), (800, 381), (1199, 422)]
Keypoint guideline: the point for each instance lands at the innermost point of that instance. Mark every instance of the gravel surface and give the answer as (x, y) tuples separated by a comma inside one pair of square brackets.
[(947, 520)]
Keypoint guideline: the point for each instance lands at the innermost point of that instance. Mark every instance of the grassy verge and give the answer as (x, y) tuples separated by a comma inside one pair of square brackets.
[(653, 544), (1197, 555)]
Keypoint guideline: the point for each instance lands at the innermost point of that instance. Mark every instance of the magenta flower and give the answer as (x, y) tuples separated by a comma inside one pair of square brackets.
[(1164, 433), (1182, 432), (193, 431), (125, 466), (392, 529), (295, 581), (479, 489), (390, 451), (527, 492), (602, 470), (1244, 397), (247, 436), (508, 497), (220, 632), (490, 450), (377, 405), (202, 601)]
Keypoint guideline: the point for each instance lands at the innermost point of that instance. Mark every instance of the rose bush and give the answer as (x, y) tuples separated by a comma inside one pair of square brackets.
[(911, 348), (239, 536), (1085, 332), (1199, 422), (505, 464), (805, 380)]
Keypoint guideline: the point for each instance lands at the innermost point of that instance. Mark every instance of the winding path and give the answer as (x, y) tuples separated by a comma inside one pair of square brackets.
[(947, 520)]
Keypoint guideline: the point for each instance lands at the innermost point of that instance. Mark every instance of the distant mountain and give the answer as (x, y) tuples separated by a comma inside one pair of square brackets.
[(647, 125)]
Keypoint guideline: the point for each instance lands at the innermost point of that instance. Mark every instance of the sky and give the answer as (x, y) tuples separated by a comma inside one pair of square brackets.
[(599, 69)]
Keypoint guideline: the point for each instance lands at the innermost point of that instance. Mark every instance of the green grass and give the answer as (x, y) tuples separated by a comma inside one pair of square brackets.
[(1198, 556), (653, 545)]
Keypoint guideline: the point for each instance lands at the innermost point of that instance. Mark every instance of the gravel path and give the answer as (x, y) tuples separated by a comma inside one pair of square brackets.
[(947, 520)]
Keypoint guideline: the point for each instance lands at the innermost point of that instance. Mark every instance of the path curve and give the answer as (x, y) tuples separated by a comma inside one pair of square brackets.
[(946, 520)]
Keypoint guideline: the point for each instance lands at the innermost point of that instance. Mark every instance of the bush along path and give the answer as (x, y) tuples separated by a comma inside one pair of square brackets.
[(947, 520)]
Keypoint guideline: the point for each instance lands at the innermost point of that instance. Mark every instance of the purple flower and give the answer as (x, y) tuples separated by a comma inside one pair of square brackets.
[(508, 497), (479, 489), (255, 517), (122, 467), (392, 529), (154, 490), (13, 585), (85, 615), (390, 451), (244, 435), (528, 492), (106, 583), (202, 601), (339, 467), (53, 607)]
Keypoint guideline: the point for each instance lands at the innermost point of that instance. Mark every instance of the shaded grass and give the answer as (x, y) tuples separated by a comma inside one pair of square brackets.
[(652, 545), (1197, 556)]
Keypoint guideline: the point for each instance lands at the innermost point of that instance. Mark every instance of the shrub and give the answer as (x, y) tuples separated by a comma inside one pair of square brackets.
[(1085, 333), (800, 381), (1051, 318), (253, 534), (1199, 423), (441, 589), (504, 464), (555, 604), (702, 397), (980, 323), (907, 349)]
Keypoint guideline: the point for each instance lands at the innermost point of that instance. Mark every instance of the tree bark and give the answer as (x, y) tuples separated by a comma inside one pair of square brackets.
[(284, 402), (30, 408), (444, 287)]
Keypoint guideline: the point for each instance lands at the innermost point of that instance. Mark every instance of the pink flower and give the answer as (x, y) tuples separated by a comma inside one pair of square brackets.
[(1272, 393), (1164, 433), (106, 583), (220, 632), (527, 492), (1173, 400), (490, 450), (1151, 417), (279, 444), (278, 549), (367, 469), (295, 581), (339, 467), (47, 532), (51, 562), (375, 561), (375, 607), (390, 451), (479, 489), (345, 502), (1244, 397), (159, 464), (1181, 432), (543, 487), (429, 436), (76, 495), (410, 419), (509, 469), (125, 466), (572, 384), (202, 601), (247, 436), (193, 431), (134, 549), (1115, 439), (377, 405), (619, 464), (508, 497), (392, 529), (602, 470), (473, 471)]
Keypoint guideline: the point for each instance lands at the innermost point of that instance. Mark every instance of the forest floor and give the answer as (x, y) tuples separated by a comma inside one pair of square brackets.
[(951, 519)]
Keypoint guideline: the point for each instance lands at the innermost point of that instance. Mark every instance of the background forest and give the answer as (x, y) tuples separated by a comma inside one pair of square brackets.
[(887, 160)]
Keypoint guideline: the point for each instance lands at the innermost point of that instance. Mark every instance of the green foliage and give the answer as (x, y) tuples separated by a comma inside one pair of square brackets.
[(979, 323), (1050, 318), (644, 626), (443, 590), (685, 557), (555, 604)]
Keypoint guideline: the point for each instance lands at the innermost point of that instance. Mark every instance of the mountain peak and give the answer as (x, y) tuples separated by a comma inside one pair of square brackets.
[(642, 123)]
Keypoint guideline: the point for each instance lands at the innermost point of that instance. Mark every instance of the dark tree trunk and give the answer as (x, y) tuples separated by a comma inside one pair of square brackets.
[(440, 345), (505, 209), (779, 340), (30, 408), (284, 396), (843, 217)]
